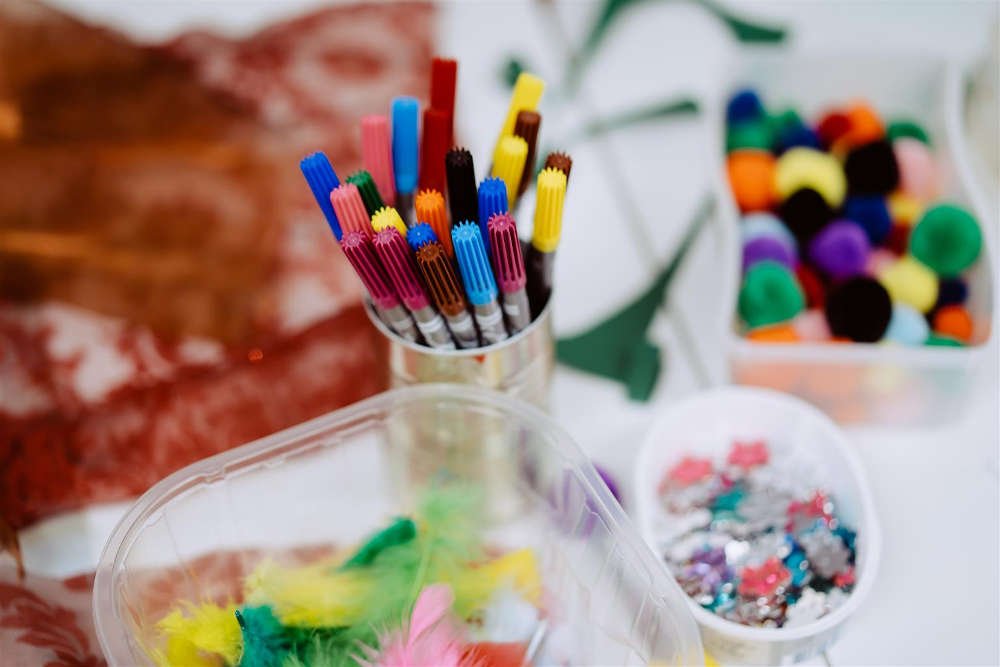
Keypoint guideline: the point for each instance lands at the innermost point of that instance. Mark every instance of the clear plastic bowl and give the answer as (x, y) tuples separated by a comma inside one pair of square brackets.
[(864, 383), (706, 425), (333, 480)]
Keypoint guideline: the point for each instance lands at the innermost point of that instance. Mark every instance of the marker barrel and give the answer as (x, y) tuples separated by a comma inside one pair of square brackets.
[(538, 266), (398, 319), (489, 317), (516, 309), (463, 329), (433, 328)]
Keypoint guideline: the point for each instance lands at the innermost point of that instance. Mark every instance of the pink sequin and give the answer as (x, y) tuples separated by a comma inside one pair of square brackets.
[(764, 581)]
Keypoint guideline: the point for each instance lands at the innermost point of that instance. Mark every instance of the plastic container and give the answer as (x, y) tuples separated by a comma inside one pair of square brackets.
[(520, 366), (861, 383), (706, 425), (332, 480)]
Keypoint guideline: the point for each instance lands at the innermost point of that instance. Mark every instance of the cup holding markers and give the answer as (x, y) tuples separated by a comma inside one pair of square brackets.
[(761, 511)]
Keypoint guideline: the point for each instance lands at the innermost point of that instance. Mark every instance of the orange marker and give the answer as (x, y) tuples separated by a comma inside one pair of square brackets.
[(430, 209)]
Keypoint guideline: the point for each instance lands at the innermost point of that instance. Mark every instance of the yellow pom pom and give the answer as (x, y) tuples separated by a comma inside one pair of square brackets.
[(197, 634), (904, 209), (316, 595), (807, 168), (910, 282)]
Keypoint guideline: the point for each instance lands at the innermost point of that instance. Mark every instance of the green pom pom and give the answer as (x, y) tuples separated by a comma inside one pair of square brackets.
[(937, 340), (947, 239), (786, 119), (906, 128), (748, 134), (770, 294)]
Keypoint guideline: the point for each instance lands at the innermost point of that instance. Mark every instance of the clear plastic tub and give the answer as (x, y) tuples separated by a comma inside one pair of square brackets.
[(706, 425), (332, 480), (859, 383)]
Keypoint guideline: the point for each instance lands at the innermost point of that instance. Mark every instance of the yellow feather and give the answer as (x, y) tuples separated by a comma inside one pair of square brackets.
[(316, 595), (517, 570), (199, 634)]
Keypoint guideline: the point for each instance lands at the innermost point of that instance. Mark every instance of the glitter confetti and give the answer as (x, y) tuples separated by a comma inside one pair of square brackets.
[(751, 544)]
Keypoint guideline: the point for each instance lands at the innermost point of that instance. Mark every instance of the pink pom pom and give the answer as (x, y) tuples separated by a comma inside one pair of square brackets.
[(918, 173)]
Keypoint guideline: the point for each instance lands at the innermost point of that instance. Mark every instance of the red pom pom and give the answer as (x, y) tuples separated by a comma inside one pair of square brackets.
[(898, 240), (811, 285), (832, 126)]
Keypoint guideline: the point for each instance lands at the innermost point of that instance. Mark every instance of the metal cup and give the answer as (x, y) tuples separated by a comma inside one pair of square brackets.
[(520, 366), (421, 448)]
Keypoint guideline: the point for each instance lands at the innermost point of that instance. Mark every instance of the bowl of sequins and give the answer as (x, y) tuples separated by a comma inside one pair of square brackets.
[(760, 509)]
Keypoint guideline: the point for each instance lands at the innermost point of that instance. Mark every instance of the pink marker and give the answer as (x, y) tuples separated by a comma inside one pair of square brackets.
[(376, 154), (397, 258), (358, 249), (350, 209), (508, 262)]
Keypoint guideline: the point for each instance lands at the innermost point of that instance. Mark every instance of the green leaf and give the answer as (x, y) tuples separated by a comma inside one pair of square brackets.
[(617, 348)]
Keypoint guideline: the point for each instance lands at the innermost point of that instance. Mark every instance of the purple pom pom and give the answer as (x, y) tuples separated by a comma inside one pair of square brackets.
[(768, 247), (840, 250)]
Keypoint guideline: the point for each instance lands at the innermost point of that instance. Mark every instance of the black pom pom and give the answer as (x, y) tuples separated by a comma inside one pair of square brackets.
[(859, 309), (952, 291), (871, 169), (805, 213)]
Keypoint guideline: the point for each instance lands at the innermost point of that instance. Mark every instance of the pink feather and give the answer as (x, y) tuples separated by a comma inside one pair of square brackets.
[(432, 638)]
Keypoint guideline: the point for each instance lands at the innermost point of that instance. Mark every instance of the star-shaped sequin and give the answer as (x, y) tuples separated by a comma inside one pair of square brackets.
[(747, 455), (764, 581)]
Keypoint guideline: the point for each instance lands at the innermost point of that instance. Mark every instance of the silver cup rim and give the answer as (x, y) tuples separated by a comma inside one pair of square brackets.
[(473, 352)]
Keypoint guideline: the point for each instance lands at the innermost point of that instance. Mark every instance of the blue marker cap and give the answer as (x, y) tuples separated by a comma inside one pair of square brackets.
[(405, 143), (473, 263), (492, 200), (420, 235), (322, 180)]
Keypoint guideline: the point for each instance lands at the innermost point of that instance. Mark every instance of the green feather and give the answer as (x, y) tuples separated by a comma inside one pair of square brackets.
[(324, 648), (265, 641), (400, 531), (447, 542)]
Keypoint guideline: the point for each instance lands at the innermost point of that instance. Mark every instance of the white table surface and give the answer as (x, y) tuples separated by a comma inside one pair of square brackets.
[(936, 490)]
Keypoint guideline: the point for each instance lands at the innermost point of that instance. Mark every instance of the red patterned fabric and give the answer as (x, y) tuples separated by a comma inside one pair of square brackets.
[(95, 408)]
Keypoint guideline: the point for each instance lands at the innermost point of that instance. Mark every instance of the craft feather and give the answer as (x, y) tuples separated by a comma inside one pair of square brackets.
[(430, 638), (448, 540), (316, 595), (400, 531), (327, 651), (516, 570), (196, 634), (265, 640)]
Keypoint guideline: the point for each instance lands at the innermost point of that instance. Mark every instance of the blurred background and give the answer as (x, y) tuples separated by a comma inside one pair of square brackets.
[(169, 290)]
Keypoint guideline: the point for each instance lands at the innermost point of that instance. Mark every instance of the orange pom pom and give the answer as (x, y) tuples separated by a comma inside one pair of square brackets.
[(782, 333), (954, 321), (865, 125), (751, 178)]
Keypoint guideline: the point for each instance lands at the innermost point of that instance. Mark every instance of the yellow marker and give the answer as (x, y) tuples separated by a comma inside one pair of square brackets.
[(548, 210), (387, 216), (528, 91), (508, 164)]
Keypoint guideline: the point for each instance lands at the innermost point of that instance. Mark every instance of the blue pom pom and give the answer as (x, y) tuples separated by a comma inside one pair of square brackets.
[(872, 213), (906, 326), (744, 105), (755, 225), (797, 136)]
